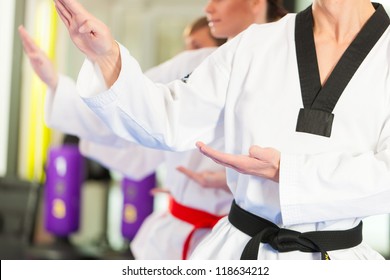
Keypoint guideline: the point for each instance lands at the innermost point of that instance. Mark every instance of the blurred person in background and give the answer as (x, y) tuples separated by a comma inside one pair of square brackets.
[(197, 35)]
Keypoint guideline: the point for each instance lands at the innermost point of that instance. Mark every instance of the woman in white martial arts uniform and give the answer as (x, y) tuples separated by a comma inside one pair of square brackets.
[(160, 236), (305, 106)]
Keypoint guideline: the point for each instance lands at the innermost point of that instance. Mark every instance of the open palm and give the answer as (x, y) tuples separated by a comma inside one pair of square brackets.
[(40, 62), (261, 162), (206, 179), (88, 33)]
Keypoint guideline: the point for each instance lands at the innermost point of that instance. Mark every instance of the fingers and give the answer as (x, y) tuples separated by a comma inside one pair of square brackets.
[(232, 165), (219, 157), (70, 9), (28, 43), (184, 170), (263, 162), (239, 163), (22, 32), (187, 172), (256, 152), (203, 148), (63, 13), (72, 6), (62, 16), (199, 144), (156, 191), (32, 50), (67, 10)]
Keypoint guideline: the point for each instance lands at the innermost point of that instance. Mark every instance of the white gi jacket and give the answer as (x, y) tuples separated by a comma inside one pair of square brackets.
[(161, 236), (251, 86)]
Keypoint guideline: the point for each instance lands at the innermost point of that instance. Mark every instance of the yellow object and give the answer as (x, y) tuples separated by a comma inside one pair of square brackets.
[(59, 209), (45, 34), (129, 214)]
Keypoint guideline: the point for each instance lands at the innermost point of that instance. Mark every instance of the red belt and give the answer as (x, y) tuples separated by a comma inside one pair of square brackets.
[(198, 218)]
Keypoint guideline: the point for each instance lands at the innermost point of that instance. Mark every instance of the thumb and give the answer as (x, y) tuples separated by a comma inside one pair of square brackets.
[(256, 152)]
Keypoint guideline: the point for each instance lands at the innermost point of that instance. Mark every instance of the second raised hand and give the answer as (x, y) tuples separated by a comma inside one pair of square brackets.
[(40, 62), (92, 37), (207, 179)]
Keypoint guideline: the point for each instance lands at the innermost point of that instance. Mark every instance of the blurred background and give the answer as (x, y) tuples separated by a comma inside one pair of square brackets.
[(153, 31)]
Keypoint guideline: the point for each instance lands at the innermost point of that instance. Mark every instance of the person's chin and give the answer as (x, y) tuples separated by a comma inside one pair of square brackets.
[(219, 34)]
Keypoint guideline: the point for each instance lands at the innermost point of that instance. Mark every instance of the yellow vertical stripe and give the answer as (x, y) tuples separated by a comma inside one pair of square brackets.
[(45, 34)]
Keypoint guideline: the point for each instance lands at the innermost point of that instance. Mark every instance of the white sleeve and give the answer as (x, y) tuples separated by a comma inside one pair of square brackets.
[(179, 66), (334, 185), (66, 112), (134, 161), (172, 116)]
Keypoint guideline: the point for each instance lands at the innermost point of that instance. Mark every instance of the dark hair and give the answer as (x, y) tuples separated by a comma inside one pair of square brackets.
[(199, 24), (275, 10)]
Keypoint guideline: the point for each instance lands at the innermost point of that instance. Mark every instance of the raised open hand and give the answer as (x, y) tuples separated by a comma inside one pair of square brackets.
[(207, 179), (92, 37), (40, 62), (262, 162), (88, 33)]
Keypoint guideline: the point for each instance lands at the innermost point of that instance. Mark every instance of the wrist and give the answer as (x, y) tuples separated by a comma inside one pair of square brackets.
[(110, 64), (53, 83)]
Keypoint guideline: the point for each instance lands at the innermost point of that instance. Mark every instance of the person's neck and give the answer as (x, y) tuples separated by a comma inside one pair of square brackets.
[(259, 20), (340, 20), (259, 17)]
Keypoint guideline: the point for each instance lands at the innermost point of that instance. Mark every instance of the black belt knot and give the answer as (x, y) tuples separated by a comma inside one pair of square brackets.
[(285, 240)]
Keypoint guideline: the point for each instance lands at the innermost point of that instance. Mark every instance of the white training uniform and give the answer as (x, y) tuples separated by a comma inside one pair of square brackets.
[(161, 236), (251, 86)]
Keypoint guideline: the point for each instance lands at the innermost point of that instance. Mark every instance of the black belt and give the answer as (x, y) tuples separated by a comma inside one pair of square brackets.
[(285, 240)]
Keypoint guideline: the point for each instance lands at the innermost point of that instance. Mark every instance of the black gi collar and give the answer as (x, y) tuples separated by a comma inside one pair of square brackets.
[(316, 117)]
